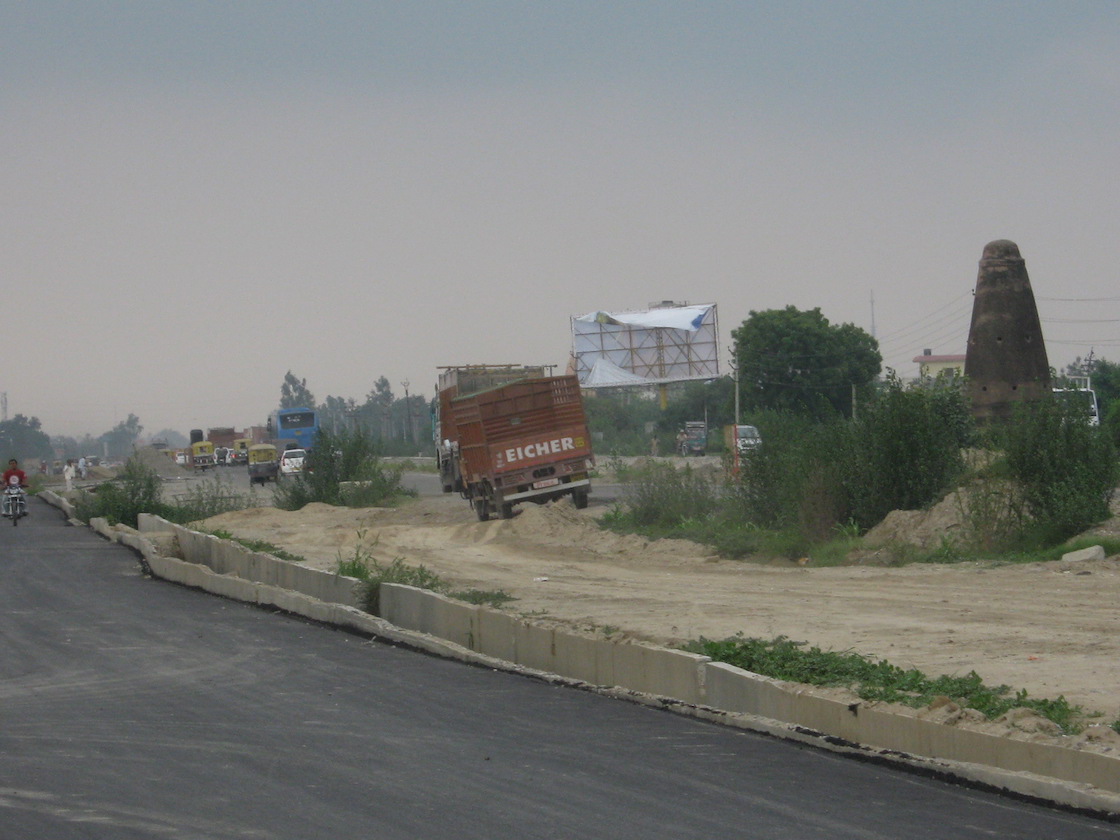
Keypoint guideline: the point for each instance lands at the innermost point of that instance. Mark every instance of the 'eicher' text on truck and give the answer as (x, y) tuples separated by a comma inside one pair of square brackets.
[(507, 434)]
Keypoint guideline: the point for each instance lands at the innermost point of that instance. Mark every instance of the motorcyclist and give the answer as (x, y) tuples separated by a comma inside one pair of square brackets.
[(15, 472)]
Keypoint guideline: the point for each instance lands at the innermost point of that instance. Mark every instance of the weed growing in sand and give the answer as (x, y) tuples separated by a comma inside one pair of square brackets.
[(784, 659), (661, 495), (368, 569), (206, 499), (259, 545)]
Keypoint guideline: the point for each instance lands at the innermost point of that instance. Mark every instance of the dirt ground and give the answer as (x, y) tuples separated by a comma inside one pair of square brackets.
[(1050, 628)]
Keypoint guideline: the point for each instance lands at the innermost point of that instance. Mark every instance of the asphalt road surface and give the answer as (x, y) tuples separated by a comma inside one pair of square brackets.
[(133, 708)]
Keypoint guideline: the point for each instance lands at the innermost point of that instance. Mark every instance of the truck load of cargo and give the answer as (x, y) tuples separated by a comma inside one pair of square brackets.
[(507, 434)]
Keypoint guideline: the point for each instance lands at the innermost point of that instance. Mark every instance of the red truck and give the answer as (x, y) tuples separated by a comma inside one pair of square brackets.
[(508, 434)]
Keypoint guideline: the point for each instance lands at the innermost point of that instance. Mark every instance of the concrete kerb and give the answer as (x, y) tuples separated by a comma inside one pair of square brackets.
[(685, 683), (61, 502)]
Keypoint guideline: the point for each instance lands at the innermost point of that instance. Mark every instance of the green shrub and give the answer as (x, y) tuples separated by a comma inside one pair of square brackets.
[(1065, 469), (770, 487), (662, 496), (904, 451), (344, 468), (136, 489)]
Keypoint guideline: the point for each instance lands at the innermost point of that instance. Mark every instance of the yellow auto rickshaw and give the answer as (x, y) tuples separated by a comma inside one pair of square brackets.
[(239, 451), (202, 455), (263, 463)]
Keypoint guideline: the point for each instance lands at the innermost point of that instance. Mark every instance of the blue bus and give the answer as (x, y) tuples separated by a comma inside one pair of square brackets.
[(294, 428)]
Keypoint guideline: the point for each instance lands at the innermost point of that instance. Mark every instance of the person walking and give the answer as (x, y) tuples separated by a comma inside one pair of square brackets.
[(68, 474), (82, 467)]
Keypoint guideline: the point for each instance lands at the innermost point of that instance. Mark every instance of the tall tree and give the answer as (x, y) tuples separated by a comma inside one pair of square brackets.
[(375, 413), (23, 437), (119, 440), (335, 413), (795, 360), (294, 393)]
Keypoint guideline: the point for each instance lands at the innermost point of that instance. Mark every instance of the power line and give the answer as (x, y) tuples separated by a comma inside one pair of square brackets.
[(954, 302), (1078, 300), (1080, 320)]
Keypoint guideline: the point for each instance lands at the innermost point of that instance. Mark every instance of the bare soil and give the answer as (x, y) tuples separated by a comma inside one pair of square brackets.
[(1050, 628)]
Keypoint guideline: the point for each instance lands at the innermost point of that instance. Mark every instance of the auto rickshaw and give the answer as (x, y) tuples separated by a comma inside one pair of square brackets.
[(202, 455), (239, 451), (263, 463)]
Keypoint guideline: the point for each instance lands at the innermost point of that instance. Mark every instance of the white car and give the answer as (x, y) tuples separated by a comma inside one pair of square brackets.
[(291, 461)]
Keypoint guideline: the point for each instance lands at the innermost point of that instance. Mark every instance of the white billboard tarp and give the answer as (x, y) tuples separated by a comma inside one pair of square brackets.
[(667, 344)]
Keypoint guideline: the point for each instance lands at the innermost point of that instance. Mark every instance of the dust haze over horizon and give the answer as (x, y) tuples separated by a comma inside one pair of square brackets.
[(201, 196)]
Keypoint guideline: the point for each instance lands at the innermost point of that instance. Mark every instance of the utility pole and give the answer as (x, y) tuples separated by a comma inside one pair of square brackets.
[(734, 365), (408, 411)]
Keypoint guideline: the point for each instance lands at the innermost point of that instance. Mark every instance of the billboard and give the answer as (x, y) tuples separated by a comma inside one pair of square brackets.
[(671, 343)]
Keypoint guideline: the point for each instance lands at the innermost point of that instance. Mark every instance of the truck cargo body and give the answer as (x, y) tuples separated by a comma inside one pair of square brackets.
[(221, 436), (522, 441), (456, 381)]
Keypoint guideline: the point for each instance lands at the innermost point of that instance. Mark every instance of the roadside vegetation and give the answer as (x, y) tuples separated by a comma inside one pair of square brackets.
[(344, 468), (815, 486), (138, 489), (870, 679), (361, 564), (263, 546)]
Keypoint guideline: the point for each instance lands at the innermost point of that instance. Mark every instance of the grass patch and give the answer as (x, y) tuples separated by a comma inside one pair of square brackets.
[(784, 659), (260, 546), (366, 568)]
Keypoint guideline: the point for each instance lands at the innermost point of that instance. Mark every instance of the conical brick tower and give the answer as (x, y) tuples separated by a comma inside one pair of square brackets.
[(1006, 358)]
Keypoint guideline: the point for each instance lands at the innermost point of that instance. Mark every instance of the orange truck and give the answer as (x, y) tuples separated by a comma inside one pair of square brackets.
[(507, 434)]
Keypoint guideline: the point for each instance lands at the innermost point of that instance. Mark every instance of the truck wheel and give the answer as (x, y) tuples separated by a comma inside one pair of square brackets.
[(579, 499), (447, 488), (482, 509), (507, 511)]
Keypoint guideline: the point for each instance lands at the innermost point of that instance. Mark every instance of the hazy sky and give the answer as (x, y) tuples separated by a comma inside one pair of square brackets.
[(200, 196)]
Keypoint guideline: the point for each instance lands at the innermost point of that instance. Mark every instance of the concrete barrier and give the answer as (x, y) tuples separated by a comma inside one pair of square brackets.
[(58, 501), (227, 557)]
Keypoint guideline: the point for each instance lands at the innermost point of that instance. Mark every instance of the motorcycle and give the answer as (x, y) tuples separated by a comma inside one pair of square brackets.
[(14, 501)]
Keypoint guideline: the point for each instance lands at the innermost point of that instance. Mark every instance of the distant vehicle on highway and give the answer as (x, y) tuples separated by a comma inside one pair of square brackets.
[(693, 438), (263, 463), (291, 461), (294, 427), (747, 439)]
